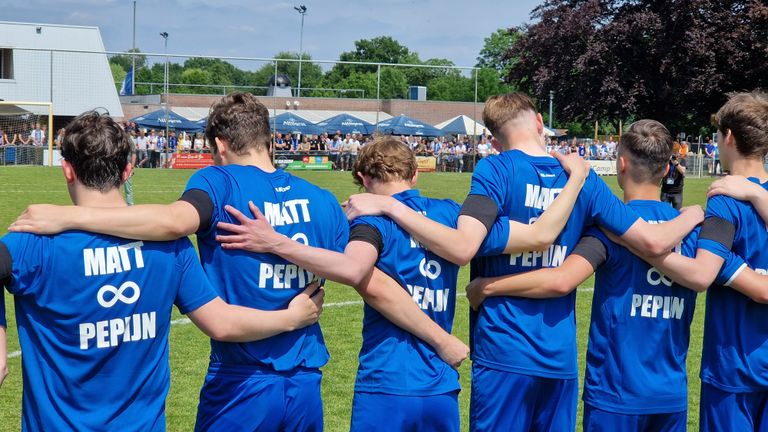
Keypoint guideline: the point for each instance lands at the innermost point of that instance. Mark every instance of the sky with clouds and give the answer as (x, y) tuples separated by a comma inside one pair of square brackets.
[(452, 29)]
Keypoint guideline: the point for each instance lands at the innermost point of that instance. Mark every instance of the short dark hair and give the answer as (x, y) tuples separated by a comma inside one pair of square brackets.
[(649, 145), (746, 116), (240, 120), (98, 150)]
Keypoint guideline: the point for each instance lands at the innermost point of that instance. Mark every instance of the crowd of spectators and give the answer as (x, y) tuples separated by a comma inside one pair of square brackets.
[(153, 147), (25, 135)]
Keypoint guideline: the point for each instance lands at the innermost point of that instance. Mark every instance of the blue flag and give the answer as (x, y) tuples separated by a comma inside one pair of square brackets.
[(126, 89)]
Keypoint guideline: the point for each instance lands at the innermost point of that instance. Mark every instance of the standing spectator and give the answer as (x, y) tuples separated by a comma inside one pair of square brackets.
[(304, 145), (420, 149), (142, 144), (461, 150), (314, 143), (173, 142), (353, 150), (162, 150), (673, 182), (152, 148), (36, 135), (346, 147), (713, 157), (582, 150), (280, 144), (198, 143), (483, 148), (293, 143), (610, 147), (333, 151), (3, 138), (186, 142), (60, 138)]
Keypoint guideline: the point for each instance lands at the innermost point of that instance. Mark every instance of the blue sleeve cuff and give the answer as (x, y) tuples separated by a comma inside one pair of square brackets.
[(714, 247), (731, 269)]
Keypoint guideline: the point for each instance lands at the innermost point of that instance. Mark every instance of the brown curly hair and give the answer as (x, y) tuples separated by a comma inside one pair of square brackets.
[(385, 159)]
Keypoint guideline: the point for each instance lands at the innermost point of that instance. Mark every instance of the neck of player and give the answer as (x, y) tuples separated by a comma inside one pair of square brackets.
[(259, 159), (388, 188), (88, 197), (750, 168), (641, 191)]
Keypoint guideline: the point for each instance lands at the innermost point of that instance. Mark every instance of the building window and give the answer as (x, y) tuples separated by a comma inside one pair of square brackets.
[(6, 63)]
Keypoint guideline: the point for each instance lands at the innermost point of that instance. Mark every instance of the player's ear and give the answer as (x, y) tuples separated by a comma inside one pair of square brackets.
[(222, 146), (539, 124), (666, 170), (621, 164), (69, 171), (415, 178)]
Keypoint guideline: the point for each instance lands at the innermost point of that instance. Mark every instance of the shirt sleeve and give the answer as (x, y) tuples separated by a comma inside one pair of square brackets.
[(341, 224), (194, 289), (488, 182), (606, 209), (731, 269), (496, 240), (719, 228), (28, 261)]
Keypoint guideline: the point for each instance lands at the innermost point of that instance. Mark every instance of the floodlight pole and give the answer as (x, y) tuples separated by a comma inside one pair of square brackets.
[(551, 97), (165, 90), (302, 10), (133, 57)]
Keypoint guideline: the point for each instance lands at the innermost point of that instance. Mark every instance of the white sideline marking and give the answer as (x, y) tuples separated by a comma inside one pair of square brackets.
[(184, 321)]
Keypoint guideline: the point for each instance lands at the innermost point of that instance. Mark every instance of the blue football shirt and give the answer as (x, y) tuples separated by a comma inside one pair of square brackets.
[(639, 330), (735, 352), (533, 336), (94, 312), (393, 361), (295, 208)]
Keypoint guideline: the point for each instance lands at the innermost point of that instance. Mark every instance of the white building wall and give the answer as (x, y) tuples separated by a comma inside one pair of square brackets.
[(74, 82)]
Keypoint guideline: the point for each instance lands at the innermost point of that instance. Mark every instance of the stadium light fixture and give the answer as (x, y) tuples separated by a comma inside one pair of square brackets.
[(301, 10)]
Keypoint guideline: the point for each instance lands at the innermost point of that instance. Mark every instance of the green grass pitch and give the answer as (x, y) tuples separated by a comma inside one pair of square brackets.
[(341, 320)]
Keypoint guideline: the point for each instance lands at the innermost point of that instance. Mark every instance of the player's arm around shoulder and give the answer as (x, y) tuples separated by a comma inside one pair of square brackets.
[(151, 222), (543, 283), (540, 235), (740, 188), (230, 323)]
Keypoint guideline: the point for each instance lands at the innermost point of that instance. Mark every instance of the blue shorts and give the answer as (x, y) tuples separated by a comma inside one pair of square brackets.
[(386, 412), (244, 398), (725, 411), (506, 401), (597, 420)]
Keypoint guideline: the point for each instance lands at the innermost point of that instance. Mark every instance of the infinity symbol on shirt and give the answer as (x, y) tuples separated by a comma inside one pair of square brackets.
[(118, 294)]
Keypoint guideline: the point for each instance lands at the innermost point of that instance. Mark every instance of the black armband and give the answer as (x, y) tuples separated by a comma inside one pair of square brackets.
[(481, 208), (368, 234), (718, 230), (6, 266), (591, 249), (201, 201)]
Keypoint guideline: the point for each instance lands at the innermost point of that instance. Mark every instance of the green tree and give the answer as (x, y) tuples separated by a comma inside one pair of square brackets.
[(197, 77), (311, 73), (118, 74), (495, 52), (125, 61)]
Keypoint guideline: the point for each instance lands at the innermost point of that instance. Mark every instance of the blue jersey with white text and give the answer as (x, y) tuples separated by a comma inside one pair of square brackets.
[(640, 329), (295, 208), (392, 360), (94, 312), (535, 336), (735, 352)]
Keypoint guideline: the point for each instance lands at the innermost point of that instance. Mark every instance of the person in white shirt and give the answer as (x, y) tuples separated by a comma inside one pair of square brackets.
[(142, 143), (461, 150)]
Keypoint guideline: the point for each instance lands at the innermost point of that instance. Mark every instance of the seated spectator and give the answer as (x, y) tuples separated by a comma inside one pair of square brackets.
[(314, 143)]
